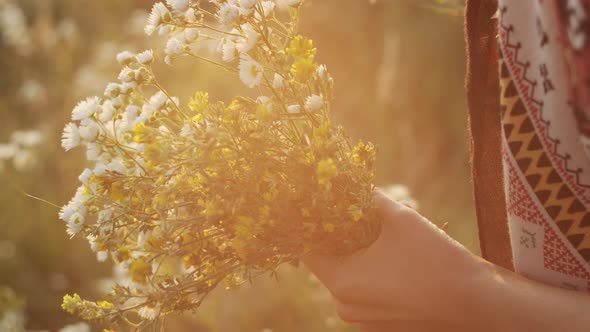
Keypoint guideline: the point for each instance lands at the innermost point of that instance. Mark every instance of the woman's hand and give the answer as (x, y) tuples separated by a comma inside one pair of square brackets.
[(413, 272), (416, 278)]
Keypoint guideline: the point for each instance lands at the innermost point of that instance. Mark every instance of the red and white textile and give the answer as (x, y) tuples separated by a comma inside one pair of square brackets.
[(545, 80)]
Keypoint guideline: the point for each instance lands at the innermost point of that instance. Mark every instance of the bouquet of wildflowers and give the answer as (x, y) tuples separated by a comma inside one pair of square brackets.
[(188, 195)]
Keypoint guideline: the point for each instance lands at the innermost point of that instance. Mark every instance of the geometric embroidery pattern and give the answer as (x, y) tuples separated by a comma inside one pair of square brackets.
[(561, 204), (528, 87), (556, 256)]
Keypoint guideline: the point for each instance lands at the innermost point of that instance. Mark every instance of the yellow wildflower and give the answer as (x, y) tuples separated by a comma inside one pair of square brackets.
[(199, 102), (105, 304), (140, 133), (140, 270), (303, 68), (71, 303), (301, 47), (326, 170)]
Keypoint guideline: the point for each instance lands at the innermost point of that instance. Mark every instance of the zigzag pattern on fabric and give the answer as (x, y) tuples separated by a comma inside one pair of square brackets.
[(561, 204), (507, 31)]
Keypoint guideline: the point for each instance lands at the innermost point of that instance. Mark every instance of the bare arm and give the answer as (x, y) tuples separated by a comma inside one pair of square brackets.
[(416, 278), (515, 303)]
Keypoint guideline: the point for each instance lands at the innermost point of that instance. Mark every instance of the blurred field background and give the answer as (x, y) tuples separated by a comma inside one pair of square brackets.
[(398, 67)]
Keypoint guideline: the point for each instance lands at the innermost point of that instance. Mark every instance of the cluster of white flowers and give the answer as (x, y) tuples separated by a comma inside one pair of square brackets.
[(112, 117), (21, 149), (115, 114), (128, 133), (234, 34), (188, 33)]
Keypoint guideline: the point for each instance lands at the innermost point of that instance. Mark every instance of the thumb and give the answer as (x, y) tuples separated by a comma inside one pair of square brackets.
[(328, 268)]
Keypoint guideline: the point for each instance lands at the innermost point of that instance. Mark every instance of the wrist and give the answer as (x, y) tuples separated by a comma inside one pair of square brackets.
[(477, 294), (496, 295)]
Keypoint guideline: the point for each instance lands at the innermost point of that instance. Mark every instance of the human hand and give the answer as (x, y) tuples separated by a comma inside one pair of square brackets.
[(412, 277)]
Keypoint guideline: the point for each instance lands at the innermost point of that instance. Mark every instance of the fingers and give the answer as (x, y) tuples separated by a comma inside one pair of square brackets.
[(330, 270)]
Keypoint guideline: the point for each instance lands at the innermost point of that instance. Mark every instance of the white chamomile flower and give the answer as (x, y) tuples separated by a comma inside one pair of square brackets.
[(85, 175), (146, 57), (127, 75), (127, 87), (112, 90), (190, 15), (191, 34), (131, 113), (86, 108), (106, 114), (250, 71), (88, 130), (66, 212), (158, 100), (104, 215), (228, 13), (314, 103), (178, 5), (149, 313), (174, 46), (76, 223), (277, 81), (102, 255), (248, 41), (294, 109), (100, 168), (70, 137), (117, 102), (93, 151), (125, 58), (164, 30), (228, 51), (159, 12), (92, 241), (267, 8), (117, 166)]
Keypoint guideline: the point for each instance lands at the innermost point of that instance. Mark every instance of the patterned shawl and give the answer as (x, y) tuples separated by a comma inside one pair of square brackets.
[(529, 96)]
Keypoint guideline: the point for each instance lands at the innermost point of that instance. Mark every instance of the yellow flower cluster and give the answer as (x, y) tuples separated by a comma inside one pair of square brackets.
[(187, 196)]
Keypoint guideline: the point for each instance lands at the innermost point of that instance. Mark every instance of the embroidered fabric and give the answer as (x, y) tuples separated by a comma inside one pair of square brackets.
[(545, 101)]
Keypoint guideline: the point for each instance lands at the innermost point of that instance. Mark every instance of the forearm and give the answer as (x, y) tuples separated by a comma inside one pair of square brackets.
[(504, 301)]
